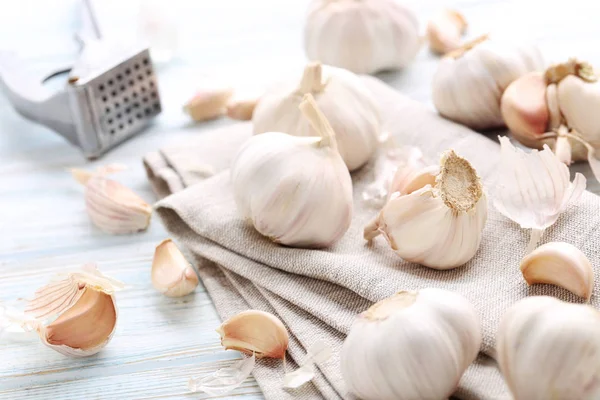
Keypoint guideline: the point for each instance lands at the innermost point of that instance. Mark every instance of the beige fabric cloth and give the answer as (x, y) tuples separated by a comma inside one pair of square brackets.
[(318, 292)]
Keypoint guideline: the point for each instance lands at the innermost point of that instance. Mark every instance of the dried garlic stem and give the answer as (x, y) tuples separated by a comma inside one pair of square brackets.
[(318, 122)]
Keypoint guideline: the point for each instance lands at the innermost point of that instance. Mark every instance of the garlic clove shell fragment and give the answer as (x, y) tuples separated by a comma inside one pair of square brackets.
[(208, 104), (444, 31), (255, 332), (172, 274), (560, 264)]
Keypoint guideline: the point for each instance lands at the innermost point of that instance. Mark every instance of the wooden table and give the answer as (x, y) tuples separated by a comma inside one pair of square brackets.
[(44, 228)]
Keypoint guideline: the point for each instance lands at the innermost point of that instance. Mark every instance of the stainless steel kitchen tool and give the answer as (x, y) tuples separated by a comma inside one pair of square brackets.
[(111, 94)]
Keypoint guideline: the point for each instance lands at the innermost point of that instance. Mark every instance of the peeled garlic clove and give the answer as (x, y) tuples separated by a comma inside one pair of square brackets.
[(439, 227), (560, 264), (255, 332), (296, 191), (112, 207), (412, 345), (208, 104), (341, 96), (550, 349), (361, 36), (172, 275), (242, 109), (469, 81), (444, 31)]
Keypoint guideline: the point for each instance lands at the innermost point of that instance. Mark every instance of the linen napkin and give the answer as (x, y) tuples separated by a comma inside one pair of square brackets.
[(312, 289)]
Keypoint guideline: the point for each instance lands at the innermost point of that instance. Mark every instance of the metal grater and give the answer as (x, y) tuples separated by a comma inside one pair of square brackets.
[(111, 95)]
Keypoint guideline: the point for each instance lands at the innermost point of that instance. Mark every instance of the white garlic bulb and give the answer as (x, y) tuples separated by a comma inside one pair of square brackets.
[(172, 274), (439, 227), (343, 99), (469, 82), (361, 36), (296, 191), (413, 345), (550, 349)]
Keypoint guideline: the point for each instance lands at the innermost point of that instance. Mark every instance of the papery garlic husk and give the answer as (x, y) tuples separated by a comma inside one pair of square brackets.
[(560, 264), (172, 274), (550, 349), (361, 36), (255, 332), (444, 31), (413, 345), (341, 96), (113, 207), (208, 104), (533, 189), (469, 82), (77, 315), (296, 191), (436, 226)]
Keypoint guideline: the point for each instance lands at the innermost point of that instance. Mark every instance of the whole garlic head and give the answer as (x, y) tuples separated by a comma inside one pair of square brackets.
[(469, 82), (296, 191), (342, 98), (550, 349), (439, 227), (361, 36), (413, 345)]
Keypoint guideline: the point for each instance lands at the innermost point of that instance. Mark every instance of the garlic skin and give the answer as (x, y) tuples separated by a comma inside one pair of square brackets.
[(413, 345), (469, 82), (296, 191), (436, 226), (208, 104), (112, 207), (172, 274), (341, 96), (550, 349), (362, 36), (560, 264), (444, 31), (86, 311), (255, 332)]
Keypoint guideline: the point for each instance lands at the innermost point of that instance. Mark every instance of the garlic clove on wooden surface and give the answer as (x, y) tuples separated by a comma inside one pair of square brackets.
[(444, 31), (255, 332), (436, 226), (172, 274), (550, 349), (560, 264), (412, 345), (208, 104)]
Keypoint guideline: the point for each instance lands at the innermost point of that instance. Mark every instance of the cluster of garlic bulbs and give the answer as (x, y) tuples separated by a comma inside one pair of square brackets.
[(469, 82), (413, 345), (361, 36), (341, 96)]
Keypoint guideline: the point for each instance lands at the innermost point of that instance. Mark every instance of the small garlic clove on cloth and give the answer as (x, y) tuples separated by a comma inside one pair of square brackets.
[(560, 264), (255, 332), (436, 226), (208, 104), (533, 189), (444, 31), (550, 349), (172, 274), (412, 345), (111, 206)]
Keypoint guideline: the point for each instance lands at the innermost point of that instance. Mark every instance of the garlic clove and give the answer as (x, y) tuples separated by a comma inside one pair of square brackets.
[(407, 180), (172, 274), (560, 264), (208, 104), (444, 31), (242, 109), (255, 332)]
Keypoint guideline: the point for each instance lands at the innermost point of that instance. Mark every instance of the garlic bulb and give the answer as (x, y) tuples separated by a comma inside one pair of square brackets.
[(413, 345), (172, 275), (437, 226), (85, 310), (344, 100), (296, 191), (533, 189), (361, 36), (444, 31), (469, 82), (111, 206), (550, 349), (255, 332), (560, 264)]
